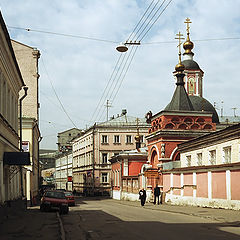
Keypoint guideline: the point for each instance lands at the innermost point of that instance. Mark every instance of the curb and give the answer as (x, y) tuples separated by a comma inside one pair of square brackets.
[(63, 237)]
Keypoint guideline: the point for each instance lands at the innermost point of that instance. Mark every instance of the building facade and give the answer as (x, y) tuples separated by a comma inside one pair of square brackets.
[(126, 175), (92, 151), (11, 82), (208, 173), (65, 139), (63, 173), (27, 58)]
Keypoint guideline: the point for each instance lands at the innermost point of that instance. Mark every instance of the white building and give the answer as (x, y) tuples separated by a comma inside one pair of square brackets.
[(63, 173)]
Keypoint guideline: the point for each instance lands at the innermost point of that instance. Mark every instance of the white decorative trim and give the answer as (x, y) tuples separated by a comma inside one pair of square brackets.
[(209, 185), (151, 150), (194, 183), (228, 184), (174, 150), (182, 183)]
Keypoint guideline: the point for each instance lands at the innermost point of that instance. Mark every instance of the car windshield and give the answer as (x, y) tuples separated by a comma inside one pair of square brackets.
[(55, 194)]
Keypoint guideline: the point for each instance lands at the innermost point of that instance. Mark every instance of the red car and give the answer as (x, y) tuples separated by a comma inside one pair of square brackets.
[(70, 198), (53, 199)]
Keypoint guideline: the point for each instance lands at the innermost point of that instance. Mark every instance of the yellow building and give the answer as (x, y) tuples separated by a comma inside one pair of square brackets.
[(11, 82), (27, 58)]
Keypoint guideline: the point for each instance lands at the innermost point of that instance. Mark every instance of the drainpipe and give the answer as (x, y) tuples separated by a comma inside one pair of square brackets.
[(21, 150)]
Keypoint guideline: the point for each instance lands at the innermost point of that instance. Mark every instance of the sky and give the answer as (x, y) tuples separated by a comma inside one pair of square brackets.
[(75, 71)]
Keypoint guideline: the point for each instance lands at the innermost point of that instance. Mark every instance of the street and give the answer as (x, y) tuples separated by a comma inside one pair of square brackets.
[(111, 219), (103, 218)]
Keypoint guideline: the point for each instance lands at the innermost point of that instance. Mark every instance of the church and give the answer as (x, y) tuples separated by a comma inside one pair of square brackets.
[(188, 115)]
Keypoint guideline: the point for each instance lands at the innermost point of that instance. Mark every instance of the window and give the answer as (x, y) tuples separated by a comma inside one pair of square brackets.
[(227, 155), (104, 139), (212, 157), (104, 158), (188, 160), (129, 139), (104, 177), (125, 167), (199, 159), (116, 139)]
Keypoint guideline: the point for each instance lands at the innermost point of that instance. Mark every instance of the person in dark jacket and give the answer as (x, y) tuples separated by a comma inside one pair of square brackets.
[(157, 194), (142, 196)]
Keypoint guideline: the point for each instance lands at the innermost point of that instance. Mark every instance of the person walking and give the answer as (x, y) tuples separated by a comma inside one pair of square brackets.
[(157, 194), (142, 196)]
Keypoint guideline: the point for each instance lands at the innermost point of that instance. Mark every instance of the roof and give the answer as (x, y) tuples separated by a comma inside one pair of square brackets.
[(201, 104), (180, 100), (190, 65), (124, 120)]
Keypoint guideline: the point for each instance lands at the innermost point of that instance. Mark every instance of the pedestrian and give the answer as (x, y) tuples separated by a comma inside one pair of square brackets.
[(157, 194), (142, 196), (74, 191)]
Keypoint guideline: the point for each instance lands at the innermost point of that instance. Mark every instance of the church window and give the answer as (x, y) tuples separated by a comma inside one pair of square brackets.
[(212, 157), (129, 139), (199, 159), (227, 154), (188, 160), (104, 139)]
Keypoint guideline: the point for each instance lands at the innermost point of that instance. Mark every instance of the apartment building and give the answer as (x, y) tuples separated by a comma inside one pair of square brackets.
[(92, 151)]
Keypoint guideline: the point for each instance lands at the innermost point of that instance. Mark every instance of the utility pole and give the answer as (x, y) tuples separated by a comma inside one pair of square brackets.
[(108, 105), (234, 111)]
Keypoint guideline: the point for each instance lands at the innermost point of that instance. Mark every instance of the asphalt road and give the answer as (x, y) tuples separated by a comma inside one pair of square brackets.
[(109, 219)]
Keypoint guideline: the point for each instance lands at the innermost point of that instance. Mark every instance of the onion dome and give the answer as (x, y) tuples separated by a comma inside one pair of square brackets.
[(179, 67), (201, 104), (188, 46)]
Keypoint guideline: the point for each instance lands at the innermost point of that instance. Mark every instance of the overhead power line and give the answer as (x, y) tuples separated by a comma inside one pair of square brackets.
[(63, 34), (64, 110)]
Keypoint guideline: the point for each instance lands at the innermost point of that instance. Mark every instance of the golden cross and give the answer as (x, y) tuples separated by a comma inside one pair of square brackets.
[(187, 22), (179, 41)]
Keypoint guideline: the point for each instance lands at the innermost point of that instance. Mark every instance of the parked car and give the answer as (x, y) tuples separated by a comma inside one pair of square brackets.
[(53, 199), (70, 198)]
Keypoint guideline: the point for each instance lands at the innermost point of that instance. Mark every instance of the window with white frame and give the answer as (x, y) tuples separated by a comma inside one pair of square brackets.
[(104, 139), (125, 167), (199, 159), (227, 154), (129, 139), (212, 157), (116, 139), (104, 158), (104, 177), (188, 160)]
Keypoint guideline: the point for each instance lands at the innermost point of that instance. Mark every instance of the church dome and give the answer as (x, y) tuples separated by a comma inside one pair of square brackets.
[(190, 65), (200, 103)]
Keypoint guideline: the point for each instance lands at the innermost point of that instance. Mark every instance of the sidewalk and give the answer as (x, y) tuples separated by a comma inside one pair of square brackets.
[(221, 215), (30, 224)]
